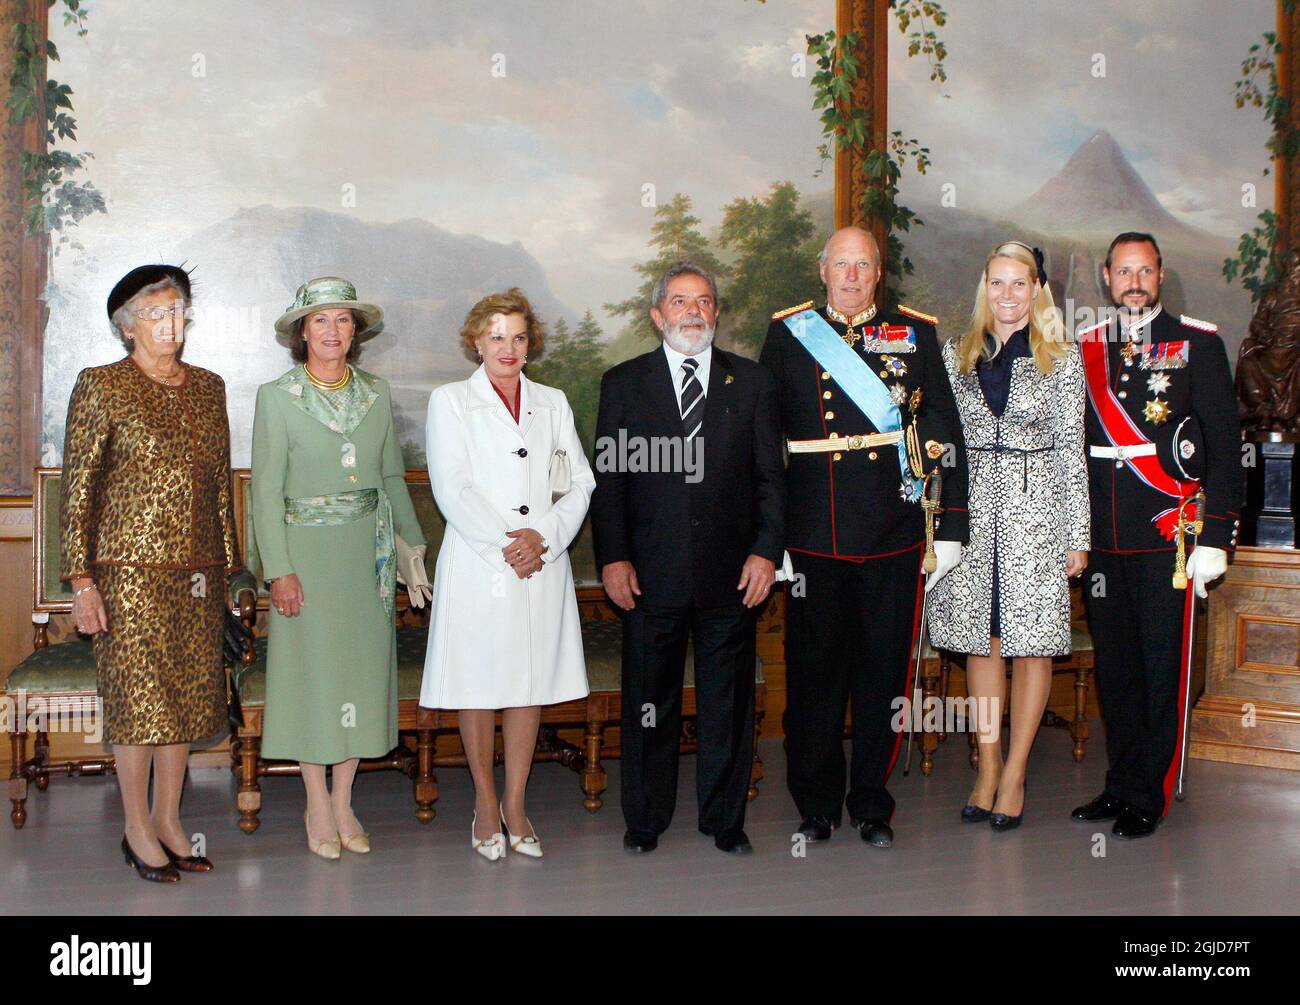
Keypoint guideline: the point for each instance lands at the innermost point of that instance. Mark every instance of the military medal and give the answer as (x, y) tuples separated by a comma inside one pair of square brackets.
[(1155, 411), (1129, 352), (894, 367), (1158, 383), (861, 318), (898, 394)]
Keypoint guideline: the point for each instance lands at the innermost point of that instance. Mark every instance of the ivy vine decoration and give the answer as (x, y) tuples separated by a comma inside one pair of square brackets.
[(54, 201), (846, 127), (1258, 265)]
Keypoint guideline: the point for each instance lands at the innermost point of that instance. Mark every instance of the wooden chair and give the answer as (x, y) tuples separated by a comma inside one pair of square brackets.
[(56, 685)]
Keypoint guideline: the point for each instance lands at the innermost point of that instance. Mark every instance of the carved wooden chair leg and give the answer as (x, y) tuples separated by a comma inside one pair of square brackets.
[(426, 782), (17, 780), (1079, 726), (249, 799), (929, 741), (593, 778), (756, 766), (944, 667), (42, 760)]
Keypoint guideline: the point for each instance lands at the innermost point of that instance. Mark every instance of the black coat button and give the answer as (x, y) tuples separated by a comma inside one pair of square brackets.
[(522, 451), (523, 510)]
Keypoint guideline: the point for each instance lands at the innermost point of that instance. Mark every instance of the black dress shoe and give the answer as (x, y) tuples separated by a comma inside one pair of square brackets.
[(972, 814), (733, 842), (817, 828), (875, 832), (1133, 823), (639, 842), (187, 863), (1104, 807), (153, 873)]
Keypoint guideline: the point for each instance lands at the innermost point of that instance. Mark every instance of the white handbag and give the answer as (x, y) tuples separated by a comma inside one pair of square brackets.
[(560, 476)]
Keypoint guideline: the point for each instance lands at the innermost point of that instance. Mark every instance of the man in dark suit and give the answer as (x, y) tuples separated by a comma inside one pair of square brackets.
[(1162, 424), (852, 381), (687, 520)]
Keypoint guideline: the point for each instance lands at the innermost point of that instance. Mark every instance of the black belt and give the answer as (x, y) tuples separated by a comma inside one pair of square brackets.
[(1002, 448)]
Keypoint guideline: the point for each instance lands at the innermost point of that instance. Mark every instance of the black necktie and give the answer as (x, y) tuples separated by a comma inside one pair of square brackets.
[(692, 398)]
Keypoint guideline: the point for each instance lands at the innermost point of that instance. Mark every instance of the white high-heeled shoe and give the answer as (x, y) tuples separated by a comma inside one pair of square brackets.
[(530, 844), (491, 848)]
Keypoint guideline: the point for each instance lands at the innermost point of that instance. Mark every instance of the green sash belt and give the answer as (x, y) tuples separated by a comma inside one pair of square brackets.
[(349, 507)]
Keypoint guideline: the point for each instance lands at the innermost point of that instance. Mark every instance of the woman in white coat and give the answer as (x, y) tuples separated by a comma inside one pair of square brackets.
[(509, 475)]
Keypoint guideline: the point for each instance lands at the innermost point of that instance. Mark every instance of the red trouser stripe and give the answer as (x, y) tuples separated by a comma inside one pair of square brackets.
[(913, 667), (1171, 775)]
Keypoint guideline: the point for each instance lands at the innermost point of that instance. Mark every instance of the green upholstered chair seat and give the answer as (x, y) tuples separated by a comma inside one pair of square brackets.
[(602, 646), (66, 667)]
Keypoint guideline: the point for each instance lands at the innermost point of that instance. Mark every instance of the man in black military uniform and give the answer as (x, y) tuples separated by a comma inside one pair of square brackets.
[(1162, 423), (855, 533)]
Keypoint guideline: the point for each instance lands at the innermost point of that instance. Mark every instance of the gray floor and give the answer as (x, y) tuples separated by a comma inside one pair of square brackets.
[(1231, 848)]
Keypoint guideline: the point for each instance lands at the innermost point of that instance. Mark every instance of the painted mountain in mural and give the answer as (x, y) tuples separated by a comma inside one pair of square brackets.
[(1073, 216), (1098, 192)]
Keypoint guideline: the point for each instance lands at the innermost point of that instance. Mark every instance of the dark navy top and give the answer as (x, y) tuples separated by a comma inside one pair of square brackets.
[(995, 373)]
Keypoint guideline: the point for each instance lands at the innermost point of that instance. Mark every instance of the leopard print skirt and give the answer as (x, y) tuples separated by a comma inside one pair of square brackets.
[(160, 667)]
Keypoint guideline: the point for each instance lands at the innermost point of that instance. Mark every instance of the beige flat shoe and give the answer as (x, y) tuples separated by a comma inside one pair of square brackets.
[(325, 849), (358, 844)]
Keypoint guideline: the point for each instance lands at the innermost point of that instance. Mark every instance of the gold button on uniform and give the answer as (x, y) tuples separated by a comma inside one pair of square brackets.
[(830, 415), (825, 375), (1123, 394), (826, 395), (836, 456), (872, 455)]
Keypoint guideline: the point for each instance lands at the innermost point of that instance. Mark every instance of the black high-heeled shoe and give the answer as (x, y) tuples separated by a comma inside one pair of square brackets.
[(186, 863), (1003, 822), (153, 873), (972, 814)]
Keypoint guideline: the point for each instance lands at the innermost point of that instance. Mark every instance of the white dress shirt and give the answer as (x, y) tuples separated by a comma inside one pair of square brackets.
[(675, 360)]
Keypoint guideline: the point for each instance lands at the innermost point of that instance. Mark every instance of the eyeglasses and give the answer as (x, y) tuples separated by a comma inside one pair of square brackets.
[(158, 313)]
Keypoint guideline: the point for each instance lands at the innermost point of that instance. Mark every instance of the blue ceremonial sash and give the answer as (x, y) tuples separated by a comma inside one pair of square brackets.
[(856, 379)]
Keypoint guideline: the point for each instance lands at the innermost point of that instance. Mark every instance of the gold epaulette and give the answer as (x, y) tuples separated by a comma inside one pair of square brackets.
[(793, 310), (912, 312)]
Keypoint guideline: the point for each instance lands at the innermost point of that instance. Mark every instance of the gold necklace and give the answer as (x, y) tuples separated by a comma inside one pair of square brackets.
[(329, 385)]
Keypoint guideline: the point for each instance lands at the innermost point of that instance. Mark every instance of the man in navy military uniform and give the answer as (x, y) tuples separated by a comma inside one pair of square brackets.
[(851, 380), (1162, 423)]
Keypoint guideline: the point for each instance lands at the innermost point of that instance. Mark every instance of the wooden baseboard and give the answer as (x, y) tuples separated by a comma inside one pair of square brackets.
[(1220, 732)]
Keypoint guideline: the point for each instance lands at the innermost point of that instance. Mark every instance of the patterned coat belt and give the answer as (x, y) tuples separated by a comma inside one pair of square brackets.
[(348, 507), (1002, 448)]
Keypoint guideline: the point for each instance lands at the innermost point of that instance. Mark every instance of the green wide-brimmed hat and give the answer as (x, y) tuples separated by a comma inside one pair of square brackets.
[(327, 292)]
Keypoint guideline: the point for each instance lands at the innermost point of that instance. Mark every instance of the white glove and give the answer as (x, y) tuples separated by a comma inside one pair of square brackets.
[(411, 572), (785, 571), (1206, 565), (947, 555)]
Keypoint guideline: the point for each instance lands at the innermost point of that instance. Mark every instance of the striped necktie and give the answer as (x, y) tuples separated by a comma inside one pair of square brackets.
[(692, 397)]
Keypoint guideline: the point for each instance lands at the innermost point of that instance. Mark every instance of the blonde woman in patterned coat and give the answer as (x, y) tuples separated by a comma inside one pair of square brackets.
[(148, 540), (1019, 388)]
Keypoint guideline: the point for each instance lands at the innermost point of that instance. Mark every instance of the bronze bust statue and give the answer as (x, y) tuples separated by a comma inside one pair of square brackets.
[(1268, 366)]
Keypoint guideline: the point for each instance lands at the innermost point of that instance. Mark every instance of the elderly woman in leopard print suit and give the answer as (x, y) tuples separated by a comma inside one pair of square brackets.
[(148, 541), (1019, 389)]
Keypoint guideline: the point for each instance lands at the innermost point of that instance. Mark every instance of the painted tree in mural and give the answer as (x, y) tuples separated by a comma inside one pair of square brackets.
[(674, 237), (778, 243), (574, 360)]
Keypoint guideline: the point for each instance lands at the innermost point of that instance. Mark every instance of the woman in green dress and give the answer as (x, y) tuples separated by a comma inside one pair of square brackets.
[(330, 514)]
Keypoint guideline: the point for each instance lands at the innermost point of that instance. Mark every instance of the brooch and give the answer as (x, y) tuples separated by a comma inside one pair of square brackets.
[(1186, 449), (1155, 411), (729, 379)]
